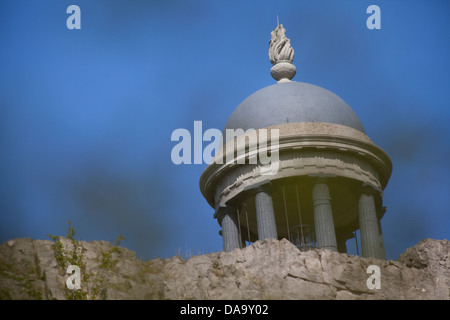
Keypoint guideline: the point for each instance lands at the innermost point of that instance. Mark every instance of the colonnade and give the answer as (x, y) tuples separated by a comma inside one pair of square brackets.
[(325, 234)]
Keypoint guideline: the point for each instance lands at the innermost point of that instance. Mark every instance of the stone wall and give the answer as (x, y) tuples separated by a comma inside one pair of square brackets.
[(271, 269)]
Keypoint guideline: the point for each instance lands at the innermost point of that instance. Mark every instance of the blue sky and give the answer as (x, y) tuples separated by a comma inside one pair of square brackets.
[(86, 115)]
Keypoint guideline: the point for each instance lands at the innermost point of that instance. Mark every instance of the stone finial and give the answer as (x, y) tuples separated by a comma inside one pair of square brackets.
[(281, 55)]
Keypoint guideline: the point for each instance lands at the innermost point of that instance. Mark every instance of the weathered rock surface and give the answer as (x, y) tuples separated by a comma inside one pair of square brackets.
[(265, 270)]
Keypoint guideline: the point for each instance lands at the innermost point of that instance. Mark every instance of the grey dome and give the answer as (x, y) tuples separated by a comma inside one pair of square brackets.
[(292, 102)]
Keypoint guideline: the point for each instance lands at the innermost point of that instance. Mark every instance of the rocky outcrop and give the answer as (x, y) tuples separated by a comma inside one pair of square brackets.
[(272, 269)]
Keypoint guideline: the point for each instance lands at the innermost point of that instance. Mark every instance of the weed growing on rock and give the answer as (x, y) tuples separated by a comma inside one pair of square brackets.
[(72, 253)]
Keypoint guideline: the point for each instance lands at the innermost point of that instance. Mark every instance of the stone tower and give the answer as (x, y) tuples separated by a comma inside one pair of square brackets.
[(326, 181)]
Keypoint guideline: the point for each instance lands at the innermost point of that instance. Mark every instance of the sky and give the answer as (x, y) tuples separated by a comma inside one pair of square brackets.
[(86, 115)]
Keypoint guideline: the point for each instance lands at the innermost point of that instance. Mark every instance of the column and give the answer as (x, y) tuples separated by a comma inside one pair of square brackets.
[(371, 244), (230, 228), (323, 217), (265, 216), (380, 214)]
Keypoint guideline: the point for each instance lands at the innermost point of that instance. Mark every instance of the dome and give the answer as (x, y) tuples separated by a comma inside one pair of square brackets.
[(292, 102)]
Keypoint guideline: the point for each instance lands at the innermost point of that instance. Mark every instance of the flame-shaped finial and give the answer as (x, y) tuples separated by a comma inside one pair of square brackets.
[(281, 55)]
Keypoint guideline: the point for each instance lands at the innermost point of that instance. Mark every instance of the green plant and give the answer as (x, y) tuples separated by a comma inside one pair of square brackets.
[(106, 258), (73, 255), (92, 284)]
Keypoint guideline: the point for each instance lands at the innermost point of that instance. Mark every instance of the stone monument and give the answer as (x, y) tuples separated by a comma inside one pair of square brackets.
[(330, 176)]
